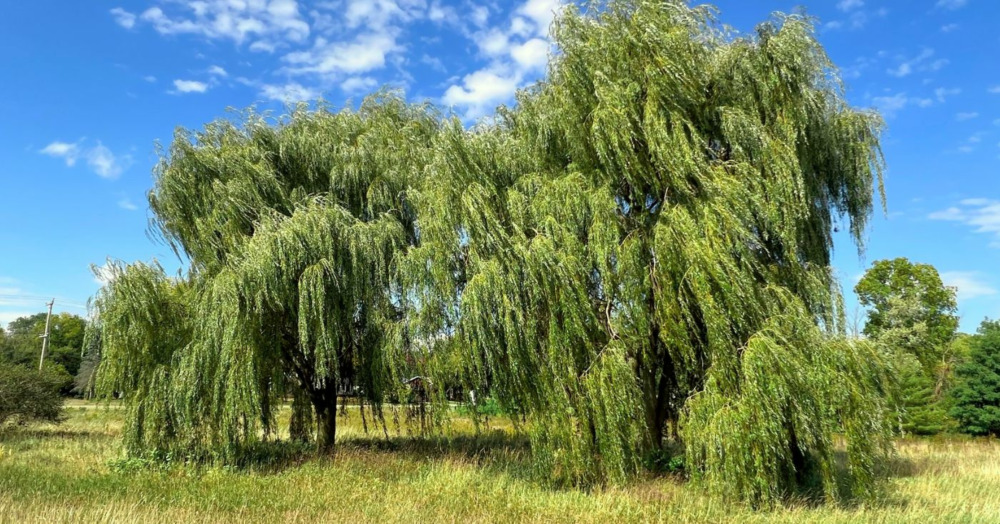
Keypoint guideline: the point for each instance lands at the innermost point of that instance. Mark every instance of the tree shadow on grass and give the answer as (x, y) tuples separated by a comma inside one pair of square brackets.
[(495, 451), (811, 495), (15, 434)]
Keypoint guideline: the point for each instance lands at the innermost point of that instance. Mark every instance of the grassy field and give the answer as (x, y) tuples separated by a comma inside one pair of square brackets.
[(69, 473)]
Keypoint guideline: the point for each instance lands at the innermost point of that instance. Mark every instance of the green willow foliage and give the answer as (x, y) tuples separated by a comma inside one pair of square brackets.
[(643, 244), (292, 230), (638, 252)]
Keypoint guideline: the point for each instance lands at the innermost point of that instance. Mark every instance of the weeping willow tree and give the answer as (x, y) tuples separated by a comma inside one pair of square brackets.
[(635, 256), (639, 252), (291, 228)]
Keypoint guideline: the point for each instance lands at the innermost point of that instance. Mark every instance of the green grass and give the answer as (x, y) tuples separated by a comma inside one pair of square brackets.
[(71, 473)]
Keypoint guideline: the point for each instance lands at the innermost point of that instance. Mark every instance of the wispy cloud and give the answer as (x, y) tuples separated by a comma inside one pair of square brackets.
[(848, 5), (290, 92), (127, 204), (951, 4), (69, 152), (980, 214), (922, 62), (968, 284), (189, 86), (106, 164), (890, 105), (942, 93), (947, 28), (238, 21), (966, 116), (123, 17), (857, 18), (99, 158)]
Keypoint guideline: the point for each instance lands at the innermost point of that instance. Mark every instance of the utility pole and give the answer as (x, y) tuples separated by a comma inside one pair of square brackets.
[(45, 337)]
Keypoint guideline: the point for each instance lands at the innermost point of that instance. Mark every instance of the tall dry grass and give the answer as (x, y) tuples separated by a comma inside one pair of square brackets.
[(71, 473)]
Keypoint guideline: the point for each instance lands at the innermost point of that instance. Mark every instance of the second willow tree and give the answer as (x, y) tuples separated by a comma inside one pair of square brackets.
[(642, 246)]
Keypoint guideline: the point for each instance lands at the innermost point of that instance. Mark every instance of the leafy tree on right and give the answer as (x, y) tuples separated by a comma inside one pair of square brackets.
[(912, 315)]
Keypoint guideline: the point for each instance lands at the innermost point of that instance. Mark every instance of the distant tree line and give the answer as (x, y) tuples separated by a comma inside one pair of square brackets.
[(28, 393), (948, 381)]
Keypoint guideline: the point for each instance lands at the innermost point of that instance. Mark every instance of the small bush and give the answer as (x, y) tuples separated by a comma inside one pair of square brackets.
[(27, 395)]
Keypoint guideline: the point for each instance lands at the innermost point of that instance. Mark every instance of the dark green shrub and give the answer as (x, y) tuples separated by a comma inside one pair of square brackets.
[(27, 395)]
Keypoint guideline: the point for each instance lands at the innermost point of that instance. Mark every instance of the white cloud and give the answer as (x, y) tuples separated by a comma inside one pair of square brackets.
[(190, 86), (966, 116), (921, 63), (481, 91), (968, 284), (533, 54), (217, 71), (358, 84), (263, 46), (518, 51), (291, 92), (434, 62), (493, 42), (980, 214), (847, 5), (947, 28), (942, 93), (994, 90), (99, 158), (102, 161), (889, 105), (951, 4), (236, 20), (149, 78), (541, 13), (127, 204), (366, 53), (123, 17), (66, 151)]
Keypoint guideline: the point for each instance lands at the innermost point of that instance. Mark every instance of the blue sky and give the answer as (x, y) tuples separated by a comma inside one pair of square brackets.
[(89, 88)]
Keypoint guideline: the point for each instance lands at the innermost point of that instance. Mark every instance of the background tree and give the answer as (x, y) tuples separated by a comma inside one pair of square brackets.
[(642, 245), (22, 344), (912, 314), (292, 227), (901, 295), (976, 394)]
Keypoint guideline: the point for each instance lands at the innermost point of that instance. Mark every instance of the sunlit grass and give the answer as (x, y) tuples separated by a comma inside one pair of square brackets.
[(66, 473)]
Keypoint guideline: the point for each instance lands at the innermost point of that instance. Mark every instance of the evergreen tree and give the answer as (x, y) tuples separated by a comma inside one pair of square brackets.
[(976, 394)]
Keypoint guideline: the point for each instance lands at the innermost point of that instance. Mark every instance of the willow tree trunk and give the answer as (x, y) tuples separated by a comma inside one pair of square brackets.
[(325, 405)]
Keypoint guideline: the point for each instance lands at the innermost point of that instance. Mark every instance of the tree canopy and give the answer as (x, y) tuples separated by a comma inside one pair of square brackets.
[(976, 394), (22, 343), (903, 297), (637, 252), (292, 228)]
